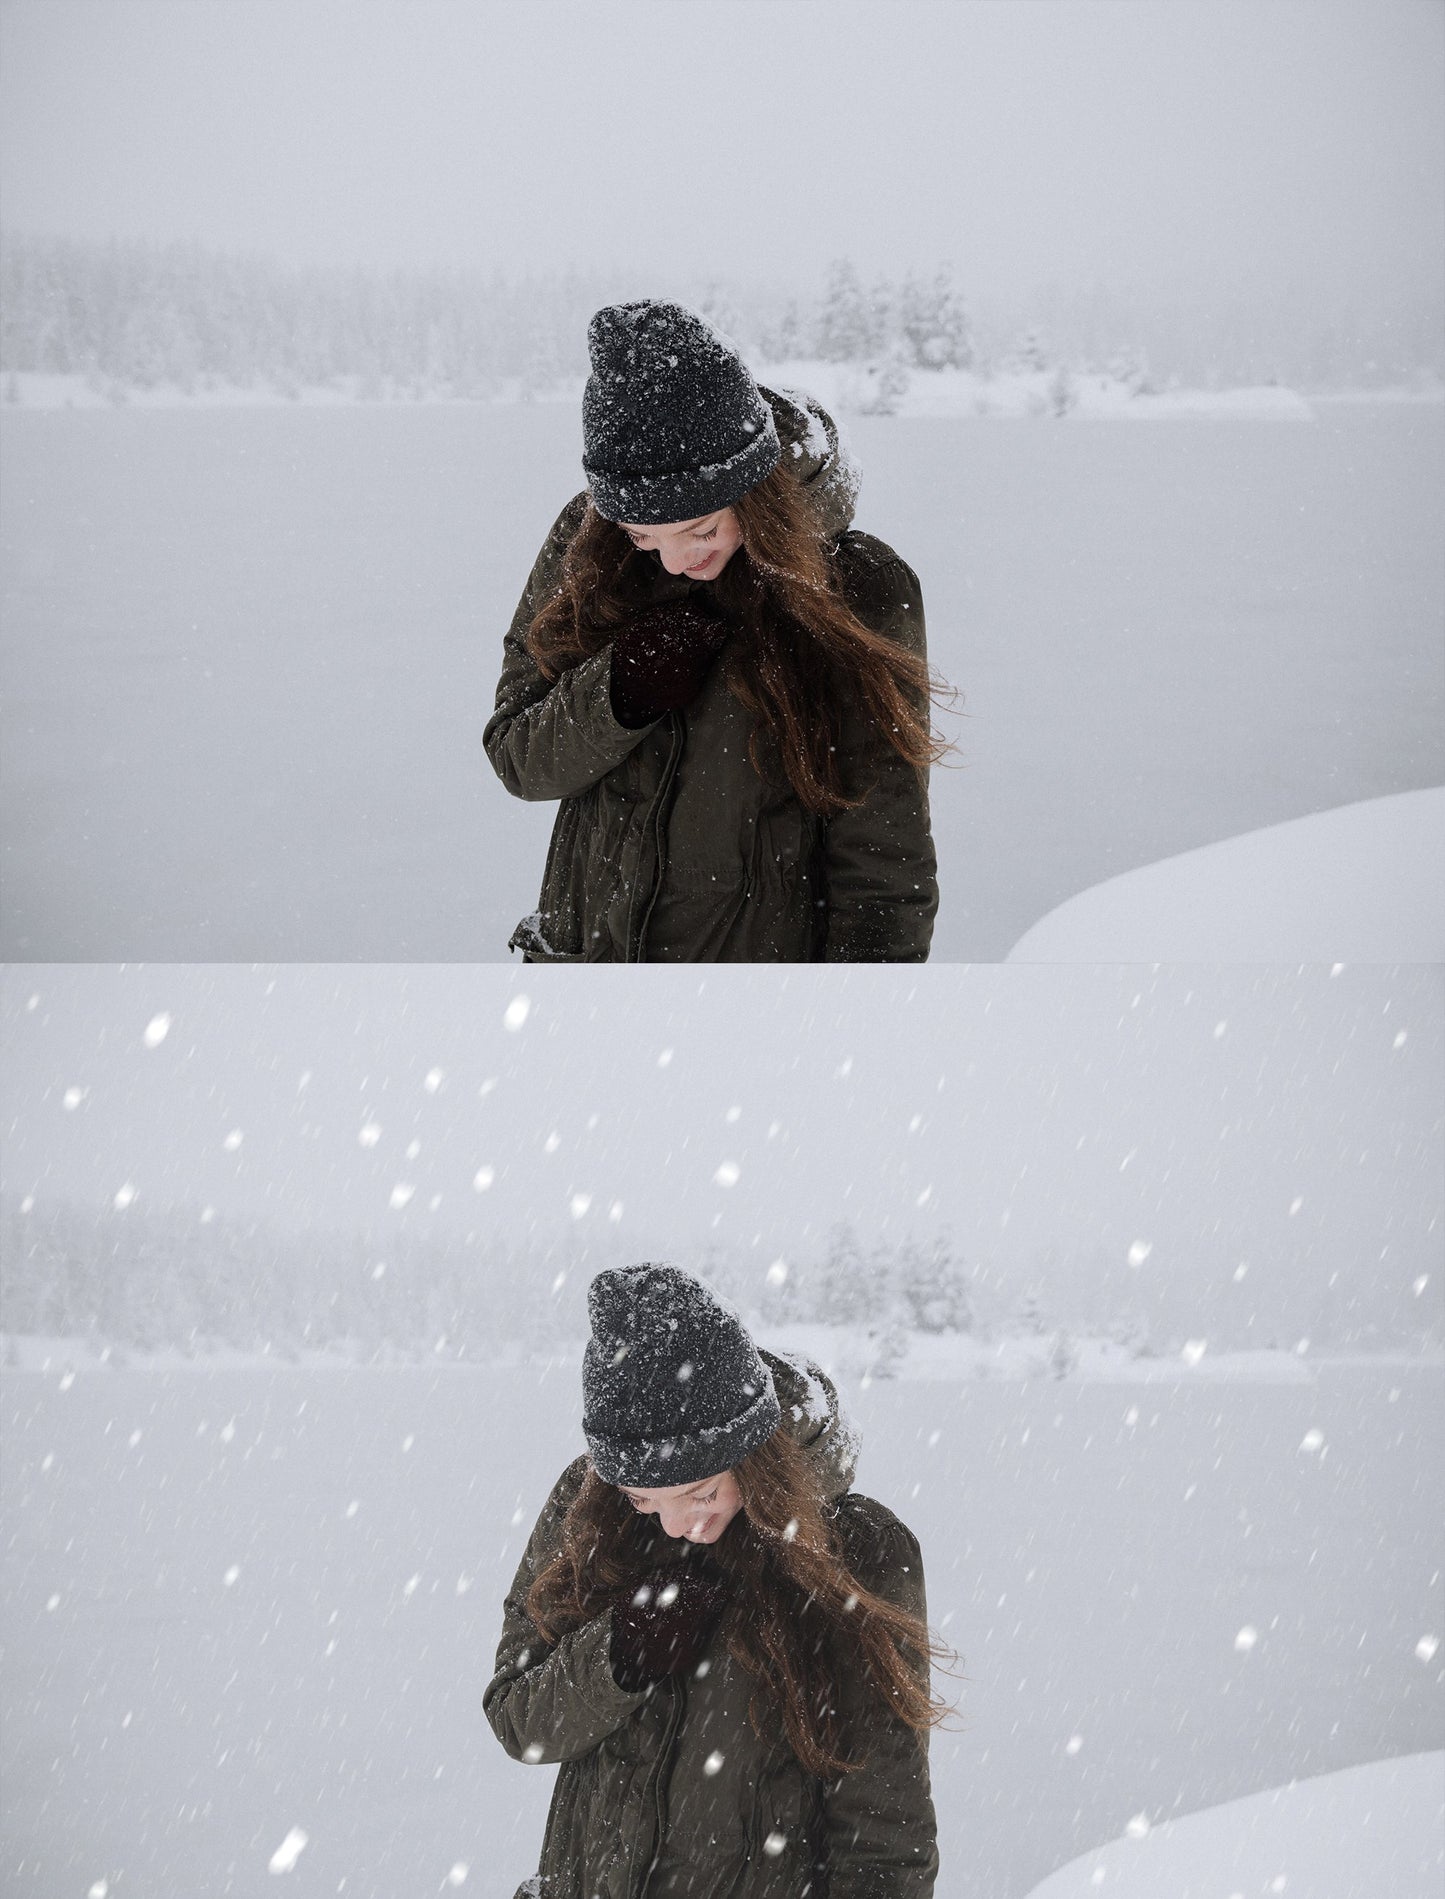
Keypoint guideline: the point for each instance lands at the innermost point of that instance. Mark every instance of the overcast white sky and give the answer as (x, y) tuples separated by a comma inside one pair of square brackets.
[(1287, 1118), (1264, 148)]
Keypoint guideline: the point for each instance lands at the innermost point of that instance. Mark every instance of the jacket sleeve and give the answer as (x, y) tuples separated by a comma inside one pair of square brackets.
[(879, 861), (880, 1825), (553, 740), (552, 1701)]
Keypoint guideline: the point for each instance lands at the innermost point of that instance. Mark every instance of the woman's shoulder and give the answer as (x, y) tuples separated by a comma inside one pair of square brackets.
[(873, 1537), (866, 552), (880, 587)]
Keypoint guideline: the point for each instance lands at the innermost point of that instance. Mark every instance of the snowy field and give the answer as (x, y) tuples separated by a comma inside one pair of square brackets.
[(239, 1603), (249, 654)]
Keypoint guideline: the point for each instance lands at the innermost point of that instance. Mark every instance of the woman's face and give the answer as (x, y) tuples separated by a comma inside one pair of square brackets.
[(700, 549), (699, 1512)]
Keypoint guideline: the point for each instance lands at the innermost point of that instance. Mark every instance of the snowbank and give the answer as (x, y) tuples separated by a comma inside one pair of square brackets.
[(1349, 885), (848, 1352), (855, 388), (1056, 391), (1353, 1835)]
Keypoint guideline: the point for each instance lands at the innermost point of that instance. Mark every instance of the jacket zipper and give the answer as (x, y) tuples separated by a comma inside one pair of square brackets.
[(662, 1774), (654, 821)]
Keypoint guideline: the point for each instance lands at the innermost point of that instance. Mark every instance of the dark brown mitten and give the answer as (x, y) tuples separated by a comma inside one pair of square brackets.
[(660, 657), (665, 1626)]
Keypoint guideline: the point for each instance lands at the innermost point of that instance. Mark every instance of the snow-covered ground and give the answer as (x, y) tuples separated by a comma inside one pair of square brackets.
[(249, 654), (847, 387), (238, 1603), (1352, 1835), (1360, 884)]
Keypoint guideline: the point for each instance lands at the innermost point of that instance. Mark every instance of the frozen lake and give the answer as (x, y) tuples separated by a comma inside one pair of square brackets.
[(249, 655), (205, 1646)]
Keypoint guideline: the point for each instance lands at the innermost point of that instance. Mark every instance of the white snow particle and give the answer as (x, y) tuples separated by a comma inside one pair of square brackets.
[(1138, 1827), (614, 1212), (1194, 1350), (1400, 1040), (684, 1372), (517, 1011), (413, 1148), (1073, 1744), (369, 1133), (284, 1859), (778, 1272), (1220, 1029), (409, 1587), (733, 1114), (667, 1595), (850, 1603), (1140, 1251), (790, 1529), (1312, 1439), (124, 1196), (52, 1603), (98, 1890), (458, 1874), (552, 1142), (1296, 1204), (559, 1282), (378, 1271), (713, 1763), (483, 1178), (233, 1140), (1426, 1646), (579, 1203), (728, 1174), (433, 1080), (228, 1431), (73, 1098), (157, 1029), (1246, 1638), (924, 1198), (231, 1576), (664, 1060), (352, 1508), (532, 1752), (774, 1844), (400, 1194), (1418, 1286)]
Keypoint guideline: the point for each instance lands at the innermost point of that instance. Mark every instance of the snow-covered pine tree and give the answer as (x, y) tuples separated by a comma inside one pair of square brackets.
[(933, 1285), (844, 323)]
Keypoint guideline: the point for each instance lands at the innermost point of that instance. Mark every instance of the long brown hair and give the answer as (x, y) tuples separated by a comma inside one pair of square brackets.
[(798, 1619), (801, 659)]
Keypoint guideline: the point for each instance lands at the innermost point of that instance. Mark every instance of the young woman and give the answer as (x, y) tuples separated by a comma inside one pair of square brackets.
[(724, 1646), (725, 686)]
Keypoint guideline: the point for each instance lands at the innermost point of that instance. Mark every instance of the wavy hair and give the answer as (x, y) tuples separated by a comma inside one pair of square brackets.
[(801, 661), (798, 1620)]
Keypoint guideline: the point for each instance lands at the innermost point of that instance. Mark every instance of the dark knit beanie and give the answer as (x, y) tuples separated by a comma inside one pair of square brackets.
[(673, 1389), (673, 425)]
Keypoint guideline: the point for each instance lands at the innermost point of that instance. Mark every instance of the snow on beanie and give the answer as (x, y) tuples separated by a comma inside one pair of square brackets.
[(673, 1389), (673, 425)]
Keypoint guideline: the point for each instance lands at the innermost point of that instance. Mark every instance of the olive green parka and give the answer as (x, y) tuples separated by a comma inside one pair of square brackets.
[(668, 845), (653, 1785)]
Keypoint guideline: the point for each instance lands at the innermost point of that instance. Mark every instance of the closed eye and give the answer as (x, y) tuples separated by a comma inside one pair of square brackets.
[(711, 535)]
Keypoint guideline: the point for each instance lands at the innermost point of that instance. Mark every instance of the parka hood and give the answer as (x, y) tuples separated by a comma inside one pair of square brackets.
[(814, 448), (814, 1414)]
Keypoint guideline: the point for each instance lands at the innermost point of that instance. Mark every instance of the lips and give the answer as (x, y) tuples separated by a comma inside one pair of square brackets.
[(703, 565)]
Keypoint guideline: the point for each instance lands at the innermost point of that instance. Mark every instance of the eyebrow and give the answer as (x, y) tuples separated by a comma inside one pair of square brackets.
[(682, 524), (686, 1493)]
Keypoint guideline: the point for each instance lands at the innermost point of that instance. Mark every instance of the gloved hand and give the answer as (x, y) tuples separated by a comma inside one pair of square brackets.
[(660, 657), (664, 1627)]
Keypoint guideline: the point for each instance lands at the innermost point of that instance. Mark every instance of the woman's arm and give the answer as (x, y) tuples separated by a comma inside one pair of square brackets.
[(553, 740), (882, 874), (880, 1826), (552, 1701)]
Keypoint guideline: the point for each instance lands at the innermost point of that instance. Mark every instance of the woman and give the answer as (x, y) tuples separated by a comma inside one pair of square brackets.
[(722, 1644), (727, 689)]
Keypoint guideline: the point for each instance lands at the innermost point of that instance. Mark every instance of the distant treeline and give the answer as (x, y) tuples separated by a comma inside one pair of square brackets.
[(134, 315), (188, 1279)]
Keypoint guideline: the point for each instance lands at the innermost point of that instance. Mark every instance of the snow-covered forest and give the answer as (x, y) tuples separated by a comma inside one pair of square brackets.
[(133, 315)]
